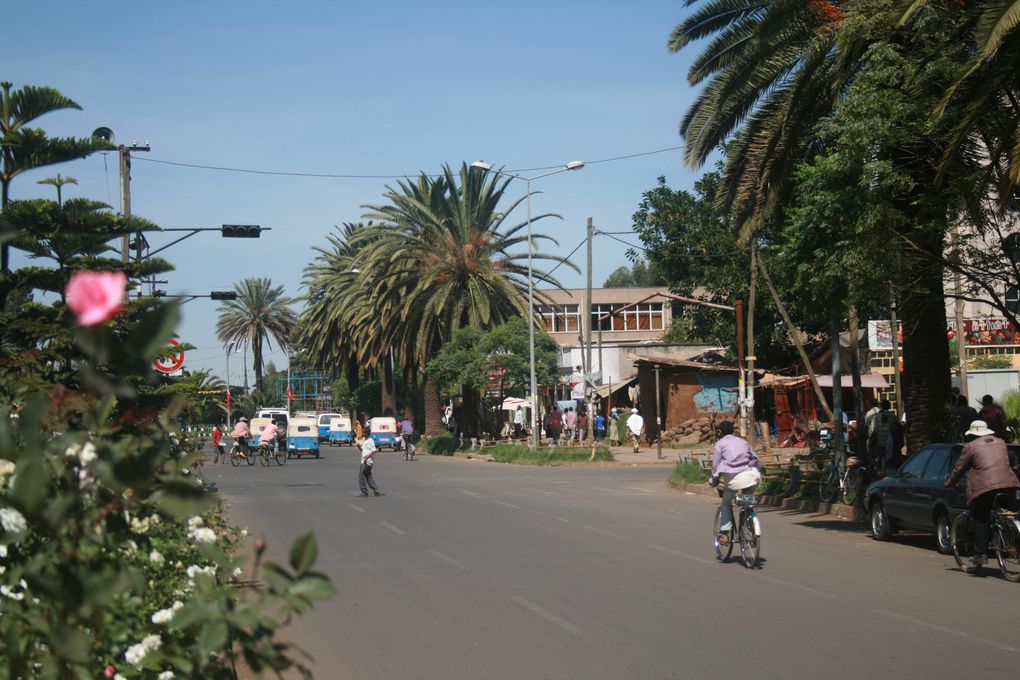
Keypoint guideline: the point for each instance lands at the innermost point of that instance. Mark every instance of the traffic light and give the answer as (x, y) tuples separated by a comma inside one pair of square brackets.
[(223, 295), (240, 230)]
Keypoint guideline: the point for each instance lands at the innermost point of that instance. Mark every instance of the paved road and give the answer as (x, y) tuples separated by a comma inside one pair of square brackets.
[(475, 570)]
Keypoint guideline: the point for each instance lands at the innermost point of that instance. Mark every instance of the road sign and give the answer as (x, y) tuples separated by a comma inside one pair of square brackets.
[(171, 365)]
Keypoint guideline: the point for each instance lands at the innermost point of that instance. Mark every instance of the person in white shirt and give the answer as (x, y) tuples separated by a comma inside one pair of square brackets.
[(635, 424), (518, 422), (365, 480)]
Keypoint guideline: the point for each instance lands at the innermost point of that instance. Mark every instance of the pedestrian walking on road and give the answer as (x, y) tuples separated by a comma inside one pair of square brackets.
[(614, 428), (635, 425), (365, 479), (217, 435)]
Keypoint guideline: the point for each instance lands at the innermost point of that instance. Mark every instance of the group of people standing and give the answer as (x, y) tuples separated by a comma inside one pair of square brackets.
[(571, 426)]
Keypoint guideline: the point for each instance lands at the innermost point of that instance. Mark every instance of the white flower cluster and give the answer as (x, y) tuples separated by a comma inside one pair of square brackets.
[(7, 591), (195, 570), (199, 533), (12, 521), (136, 653), (164, 616), (7, 469), (141, 526), (166, 675), (157, 558), (85, 453)]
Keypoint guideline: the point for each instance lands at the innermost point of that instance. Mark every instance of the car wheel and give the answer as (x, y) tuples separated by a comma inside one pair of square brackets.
[(880, 528), (943, 534)]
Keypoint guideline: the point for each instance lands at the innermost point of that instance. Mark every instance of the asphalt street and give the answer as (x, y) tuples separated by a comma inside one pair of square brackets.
[(475, 570)]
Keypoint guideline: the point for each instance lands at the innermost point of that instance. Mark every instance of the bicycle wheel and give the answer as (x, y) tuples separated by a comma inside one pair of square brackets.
[(722, 552), (264, 455), (235, 456), (249, 456), (828, 484), (854, 487), (750, 542), (962, 538), (1006, 542), (281, 456)]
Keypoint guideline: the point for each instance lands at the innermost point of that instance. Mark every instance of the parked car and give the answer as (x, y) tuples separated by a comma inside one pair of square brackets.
[(913, 498)]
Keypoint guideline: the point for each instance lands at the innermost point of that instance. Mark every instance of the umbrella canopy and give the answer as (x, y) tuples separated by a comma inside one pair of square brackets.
[(511, 403)]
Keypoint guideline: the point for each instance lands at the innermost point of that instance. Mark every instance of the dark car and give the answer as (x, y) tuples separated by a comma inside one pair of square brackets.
[(913, 498)]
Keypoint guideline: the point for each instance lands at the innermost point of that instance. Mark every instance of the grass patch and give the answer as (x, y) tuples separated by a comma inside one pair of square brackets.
[(522, 455), (443, 445), (688, 473)]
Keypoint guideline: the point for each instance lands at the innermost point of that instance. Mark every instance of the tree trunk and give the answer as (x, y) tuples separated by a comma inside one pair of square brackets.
[(389, 399), (925, 360), (471, 400), (256, 351), (433, 408)]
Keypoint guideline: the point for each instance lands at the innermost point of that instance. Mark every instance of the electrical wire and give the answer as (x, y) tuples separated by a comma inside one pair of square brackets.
[(549, 273), (326, 175)]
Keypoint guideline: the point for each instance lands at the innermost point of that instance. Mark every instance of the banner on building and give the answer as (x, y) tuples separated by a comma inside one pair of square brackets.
[(984, 332)]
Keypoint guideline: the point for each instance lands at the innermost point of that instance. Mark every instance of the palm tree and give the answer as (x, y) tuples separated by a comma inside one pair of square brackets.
[(24, 148), (774, 69), (441, 258), (259, 313)]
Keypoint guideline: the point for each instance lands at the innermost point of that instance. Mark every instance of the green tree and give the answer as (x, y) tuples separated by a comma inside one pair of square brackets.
[(639, 275), (24, 148), (442, 256), (259, 315)]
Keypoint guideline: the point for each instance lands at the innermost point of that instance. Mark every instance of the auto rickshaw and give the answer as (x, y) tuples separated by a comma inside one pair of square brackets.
[(303, 436), (340, 431), (324, 420), (384, 432)]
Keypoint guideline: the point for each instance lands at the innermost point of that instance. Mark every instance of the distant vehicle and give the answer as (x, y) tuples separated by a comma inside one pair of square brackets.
[(340, 431), (324, 419), (303, 436), (913, 498), (384, 432)]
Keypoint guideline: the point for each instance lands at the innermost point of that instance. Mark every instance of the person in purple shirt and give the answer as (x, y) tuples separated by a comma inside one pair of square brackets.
[(735, 465)]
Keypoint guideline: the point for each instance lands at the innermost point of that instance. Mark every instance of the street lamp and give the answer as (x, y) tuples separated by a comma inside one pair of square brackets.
[(572, 165)]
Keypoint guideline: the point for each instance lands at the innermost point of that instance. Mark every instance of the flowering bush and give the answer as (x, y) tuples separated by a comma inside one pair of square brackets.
[(114, 560)]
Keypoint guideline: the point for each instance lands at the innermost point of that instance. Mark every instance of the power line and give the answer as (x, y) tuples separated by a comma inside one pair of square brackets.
[(326, 175), (550, 272)]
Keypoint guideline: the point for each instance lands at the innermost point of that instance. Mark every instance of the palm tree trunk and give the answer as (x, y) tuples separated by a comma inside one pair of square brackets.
[(925, 361), (433, 408), (471, 400), (256, 350), (389, 399)]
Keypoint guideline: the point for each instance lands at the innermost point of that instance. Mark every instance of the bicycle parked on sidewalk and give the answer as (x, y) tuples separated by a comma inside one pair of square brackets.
[(1005, 540), (846, 481), (746, 531)]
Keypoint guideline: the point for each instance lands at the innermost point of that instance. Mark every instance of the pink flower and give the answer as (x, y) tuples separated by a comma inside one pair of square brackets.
[(95, 297)]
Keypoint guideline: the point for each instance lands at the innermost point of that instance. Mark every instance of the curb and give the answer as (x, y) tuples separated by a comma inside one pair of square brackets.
[(806, 505)]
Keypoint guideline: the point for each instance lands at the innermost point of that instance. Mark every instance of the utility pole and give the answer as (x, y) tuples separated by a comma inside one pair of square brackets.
[(837, 376), (751, 435), (124, 154), (961, 332), (741, 360), (894, 328), (658, 417), (587, 345)]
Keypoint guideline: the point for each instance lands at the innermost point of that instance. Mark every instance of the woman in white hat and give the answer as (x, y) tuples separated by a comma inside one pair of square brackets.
[(986, 462)]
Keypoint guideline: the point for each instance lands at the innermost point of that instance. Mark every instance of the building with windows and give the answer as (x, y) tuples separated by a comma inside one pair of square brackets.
[(625, 323)]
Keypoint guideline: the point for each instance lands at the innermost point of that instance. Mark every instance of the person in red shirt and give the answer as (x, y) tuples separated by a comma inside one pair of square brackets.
[(217, 435)]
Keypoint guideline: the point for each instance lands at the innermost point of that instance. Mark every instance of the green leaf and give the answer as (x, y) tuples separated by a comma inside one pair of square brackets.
[(31, 484), (69, 643), (278, 579), (303, 553), (183, 500), (313, 586), (211, 638), (154, 330)]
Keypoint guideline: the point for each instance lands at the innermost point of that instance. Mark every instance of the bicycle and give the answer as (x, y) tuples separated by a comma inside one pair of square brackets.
[(748, 532), (407, 444), (268, 453), (846, 481), (1005, 540), (239, 452)]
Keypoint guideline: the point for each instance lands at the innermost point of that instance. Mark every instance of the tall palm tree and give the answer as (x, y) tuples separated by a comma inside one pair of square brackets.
[(260, 313), (772, 70), (442, 256), (23, 148)]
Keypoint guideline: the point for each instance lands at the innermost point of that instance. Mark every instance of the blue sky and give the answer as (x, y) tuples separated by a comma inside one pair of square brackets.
[(385, 88)]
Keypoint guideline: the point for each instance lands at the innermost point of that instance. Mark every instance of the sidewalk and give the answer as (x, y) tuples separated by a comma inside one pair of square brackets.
[(647, 455)]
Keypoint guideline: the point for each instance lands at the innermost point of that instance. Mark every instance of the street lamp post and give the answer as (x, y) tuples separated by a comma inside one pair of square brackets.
[(572, 165)]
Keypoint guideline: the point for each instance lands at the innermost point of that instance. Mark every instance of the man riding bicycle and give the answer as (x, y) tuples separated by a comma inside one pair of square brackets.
[(269, 435), (986, 462), (406, 437), (241, 433), (735, 465)]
